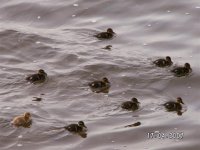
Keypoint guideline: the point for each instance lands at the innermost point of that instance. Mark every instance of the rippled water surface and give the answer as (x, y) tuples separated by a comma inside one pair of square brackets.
[(57, 36)]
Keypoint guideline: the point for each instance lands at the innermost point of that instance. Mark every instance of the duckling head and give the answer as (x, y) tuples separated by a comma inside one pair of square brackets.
[(168, 59), (135, 100), (105, 80), (81, 124), (109, 30), (187, 65), (41, 71), (179, 100), (27, 116)]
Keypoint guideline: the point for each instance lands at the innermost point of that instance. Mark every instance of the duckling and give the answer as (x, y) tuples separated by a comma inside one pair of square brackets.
[(23, 120), (100, 86), (174, 106), (108, 47), (133, 125), (182, 71), (163, 62), (39, 77), (131, 105), (76, 128), (106, 35)]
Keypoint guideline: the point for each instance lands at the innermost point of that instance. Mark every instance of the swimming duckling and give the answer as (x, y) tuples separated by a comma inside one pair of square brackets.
[(174, 106), (106, 35), (39, 77), (100, 86), (182, 71), (131, 105), (108, 47), (133, 125), (163, 62), (23, 120), (76, 128)]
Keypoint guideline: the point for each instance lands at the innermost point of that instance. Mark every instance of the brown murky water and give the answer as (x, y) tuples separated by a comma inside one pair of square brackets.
[(58, 37)]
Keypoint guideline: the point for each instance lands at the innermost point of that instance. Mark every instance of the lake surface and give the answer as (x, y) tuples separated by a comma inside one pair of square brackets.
[(57, 36)]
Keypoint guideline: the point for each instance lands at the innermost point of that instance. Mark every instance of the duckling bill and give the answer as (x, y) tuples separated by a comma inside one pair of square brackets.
[(22, 120), (106, 35), (131, 105), (39, 77), (100, 86), (76, 128), (182, 71), (163, 62)]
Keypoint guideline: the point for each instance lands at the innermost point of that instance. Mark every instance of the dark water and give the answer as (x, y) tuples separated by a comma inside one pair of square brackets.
[(57, 36)]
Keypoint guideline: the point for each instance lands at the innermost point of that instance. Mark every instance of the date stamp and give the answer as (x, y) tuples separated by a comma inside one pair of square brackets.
[(161, 135)]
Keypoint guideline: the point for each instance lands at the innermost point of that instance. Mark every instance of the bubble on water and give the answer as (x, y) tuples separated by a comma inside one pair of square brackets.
[(75, 5), (20, 136), (38, 17), (73, 15), (149, 25), (93, 21), (189, 87), (8, 108), (113, 141), (145, 44), (19, 145), (187, 13), (168, 11), (37, 42), (197, 7)]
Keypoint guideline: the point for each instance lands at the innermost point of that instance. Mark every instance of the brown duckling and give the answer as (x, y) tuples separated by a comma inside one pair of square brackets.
[(106, 35), (76, 128), (23, 120), (174, 106), (182, 71), (131, 105), (100, 85), (39, 77), (134, 125), (163, 62)]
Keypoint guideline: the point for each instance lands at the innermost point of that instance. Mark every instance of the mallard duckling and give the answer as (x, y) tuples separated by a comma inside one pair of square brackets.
[(182, 71), (108, 47), (76, 128), (131, 105), (23, 120), (174, 106), (163, 62), (39, 77), (106, 35), (100, 86), (134, 125)]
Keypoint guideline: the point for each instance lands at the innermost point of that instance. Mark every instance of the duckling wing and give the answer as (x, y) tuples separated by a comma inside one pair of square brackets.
[(170, 106), (35, 78), (104, 35), (73, 128), (160, 62), (127, 105), (96, 84)]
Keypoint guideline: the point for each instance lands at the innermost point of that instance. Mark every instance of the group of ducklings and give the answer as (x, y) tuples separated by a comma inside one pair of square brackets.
[(178, 71), (102, 86)]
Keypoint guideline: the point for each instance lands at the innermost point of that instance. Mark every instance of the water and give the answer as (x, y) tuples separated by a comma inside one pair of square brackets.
[(58, 37)]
